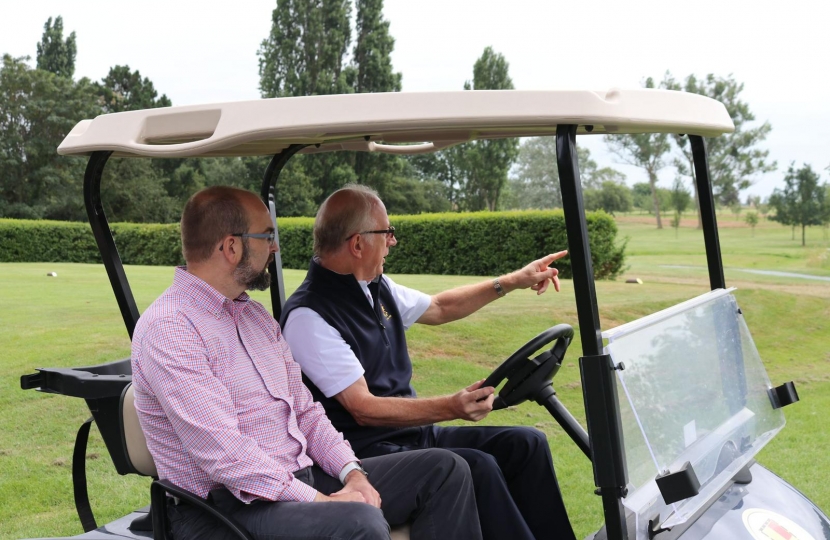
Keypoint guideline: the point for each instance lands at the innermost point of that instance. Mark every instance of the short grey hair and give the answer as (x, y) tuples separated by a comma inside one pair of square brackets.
[(337, 221)]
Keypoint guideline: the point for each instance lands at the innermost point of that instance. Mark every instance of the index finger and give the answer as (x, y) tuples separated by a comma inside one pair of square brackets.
[(547, 259)]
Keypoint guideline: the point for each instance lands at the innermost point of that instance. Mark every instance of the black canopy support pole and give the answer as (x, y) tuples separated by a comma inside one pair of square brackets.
[(602, 415), (707, 213), (106, 243), (579, 251), (269, 197)]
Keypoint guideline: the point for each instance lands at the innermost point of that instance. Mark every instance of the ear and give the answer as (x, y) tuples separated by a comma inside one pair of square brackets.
[(356, 246), (231, 249)]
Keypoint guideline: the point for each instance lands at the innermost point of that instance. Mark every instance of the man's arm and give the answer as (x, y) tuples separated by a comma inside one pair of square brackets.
[(369, 410), (457, 303)]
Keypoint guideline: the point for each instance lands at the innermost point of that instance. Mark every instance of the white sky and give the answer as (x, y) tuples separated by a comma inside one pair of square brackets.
[(202, 52)]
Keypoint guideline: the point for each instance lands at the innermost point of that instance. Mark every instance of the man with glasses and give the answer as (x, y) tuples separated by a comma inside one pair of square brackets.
[(226, 415), (346, 326)]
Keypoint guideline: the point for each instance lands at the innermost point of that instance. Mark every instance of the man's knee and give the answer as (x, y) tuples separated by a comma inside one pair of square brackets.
[(478, 460), (362, 522), (445, 464), (529, 441)]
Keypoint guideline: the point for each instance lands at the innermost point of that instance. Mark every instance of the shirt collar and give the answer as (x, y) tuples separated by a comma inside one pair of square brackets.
[(206, 296)]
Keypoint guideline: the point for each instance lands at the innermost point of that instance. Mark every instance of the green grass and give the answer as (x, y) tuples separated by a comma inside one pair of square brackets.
[(73, 320)]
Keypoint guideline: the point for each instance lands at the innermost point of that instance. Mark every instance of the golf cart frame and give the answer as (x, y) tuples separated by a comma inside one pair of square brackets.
[(369, 123)]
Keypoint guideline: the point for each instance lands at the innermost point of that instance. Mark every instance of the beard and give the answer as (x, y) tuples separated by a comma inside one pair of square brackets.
[(245, 274)]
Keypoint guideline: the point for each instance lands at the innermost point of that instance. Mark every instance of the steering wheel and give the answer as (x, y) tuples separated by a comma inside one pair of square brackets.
[(526, 376)]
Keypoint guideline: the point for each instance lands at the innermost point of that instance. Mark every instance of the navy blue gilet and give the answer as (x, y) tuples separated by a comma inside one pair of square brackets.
[(374, 332)]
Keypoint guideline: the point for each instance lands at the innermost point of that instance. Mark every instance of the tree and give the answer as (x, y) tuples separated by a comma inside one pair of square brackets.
[(446, 167), (372, 69), (734, 158), (751, 219), (487, 162), (803, 201), (372, 52), (132, 190), (611, 197), (38, 109), (125, 90), (535, 182), (54, 54), (680, 199), (304, 55), (644, 150)]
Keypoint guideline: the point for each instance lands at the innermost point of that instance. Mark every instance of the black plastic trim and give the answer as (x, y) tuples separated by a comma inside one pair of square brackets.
[(106, 243), (783, 395), (678, 485), (158, 496), (708, 220)]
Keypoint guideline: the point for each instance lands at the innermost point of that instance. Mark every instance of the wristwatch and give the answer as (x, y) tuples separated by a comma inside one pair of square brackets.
[(349, 467)]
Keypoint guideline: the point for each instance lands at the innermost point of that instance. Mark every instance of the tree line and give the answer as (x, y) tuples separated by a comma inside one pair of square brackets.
[(318, 47)]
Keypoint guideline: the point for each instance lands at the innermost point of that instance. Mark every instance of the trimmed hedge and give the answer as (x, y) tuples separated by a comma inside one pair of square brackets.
[(59, 241), (481, 244)]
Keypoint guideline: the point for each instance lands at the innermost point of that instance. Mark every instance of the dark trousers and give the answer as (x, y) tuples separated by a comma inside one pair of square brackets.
[(432, 490), (515, 485)]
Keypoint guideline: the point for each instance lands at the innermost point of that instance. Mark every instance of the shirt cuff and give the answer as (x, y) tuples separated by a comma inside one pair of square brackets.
[(298, 491), (336, 458)]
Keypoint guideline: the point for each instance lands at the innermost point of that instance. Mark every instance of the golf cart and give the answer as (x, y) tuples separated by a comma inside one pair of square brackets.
[(677, 403)]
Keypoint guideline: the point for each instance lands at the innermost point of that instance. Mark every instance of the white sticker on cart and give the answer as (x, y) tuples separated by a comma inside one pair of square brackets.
[(766, 525)]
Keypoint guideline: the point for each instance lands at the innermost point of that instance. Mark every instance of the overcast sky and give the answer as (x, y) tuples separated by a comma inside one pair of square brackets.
[(202, 52)]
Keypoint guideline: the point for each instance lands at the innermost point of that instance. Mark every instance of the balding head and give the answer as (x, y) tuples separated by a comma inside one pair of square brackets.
[(344, 213), (209, 216)]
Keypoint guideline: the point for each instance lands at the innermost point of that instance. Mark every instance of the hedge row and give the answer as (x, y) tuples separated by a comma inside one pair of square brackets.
[(484, 243)]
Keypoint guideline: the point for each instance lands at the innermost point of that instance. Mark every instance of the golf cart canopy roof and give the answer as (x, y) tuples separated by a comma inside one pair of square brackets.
[(390, 122)]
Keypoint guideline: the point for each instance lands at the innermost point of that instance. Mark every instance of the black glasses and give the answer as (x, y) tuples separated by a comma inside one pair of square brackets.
[(271, 236), (390, 233)]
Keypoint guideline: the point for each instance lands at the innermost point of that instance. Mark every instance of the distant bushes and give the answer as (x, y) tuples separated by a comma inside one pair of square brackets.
[(482, 243)]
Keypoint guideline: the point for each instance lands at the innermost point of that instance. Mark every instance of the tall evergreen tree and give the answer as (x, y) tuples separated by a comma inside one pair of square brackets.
[(304, 55), (373, 72), (372, 58), (55, 54), (646, 151), (487, 162)]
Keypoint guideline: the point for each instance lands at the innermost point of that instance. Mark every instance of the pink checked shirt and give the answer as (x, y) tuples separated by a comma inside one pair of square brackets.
[(221, 401)]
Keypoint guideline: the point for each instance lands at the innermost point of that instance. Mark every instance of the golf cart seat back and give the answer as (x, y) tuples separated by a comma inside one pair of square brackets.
[(696, 405), (135, 444)]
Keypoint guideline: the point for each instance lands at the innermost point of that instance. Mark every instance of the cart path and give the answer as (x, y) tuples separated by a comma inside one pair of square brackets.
[(775, 273)]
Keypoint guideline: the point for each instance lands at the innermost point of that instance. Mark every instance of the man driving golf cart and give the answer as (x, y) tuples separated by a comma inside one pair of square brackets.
[(670, 460), (346, 328)]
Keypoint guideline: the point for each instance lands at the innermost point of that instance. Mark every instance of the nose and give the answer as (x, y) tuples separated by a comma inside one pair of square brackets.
[(274, 247), (391, 240)]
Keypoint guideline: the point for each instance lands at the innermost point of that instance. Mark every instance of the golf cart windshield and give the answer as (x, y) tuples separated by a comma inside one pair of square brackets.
[(693, 389)]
